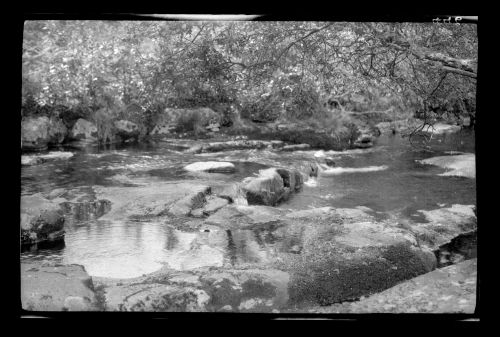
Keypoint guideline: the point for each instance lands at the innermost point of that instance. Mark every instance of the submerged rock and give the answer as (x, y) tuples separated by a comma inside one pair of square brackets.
[(57, 288), (211, 166), (463, 165), (41, 220)]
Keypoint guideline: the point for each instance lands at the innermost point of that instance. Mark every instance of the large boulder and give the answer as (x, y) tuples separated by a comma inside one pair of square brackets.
[(126, 129), (447, 290), (57, 288), (211, 167), (84, 130), (271, 186), (39, 132), (341, 255), (41, 220)]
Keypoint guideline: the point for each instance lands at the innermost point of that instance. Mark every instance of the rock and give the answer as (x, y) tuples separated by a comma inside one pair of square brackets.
[(444, 225), (296, 147), (211, 166), (57, 288), (329, 161), (266, 189), (244, 217), (167, 122), (126, 129), (41, 220), (214, 204), (83, 130), (29, 160), (38, 132), (463, 165), (233, 193), (251, 290), (85, 210), (154, 297), (271, 186), (184, 206), (152, 200), (347, 254), (233, 145), (441, 128), (447, 290)]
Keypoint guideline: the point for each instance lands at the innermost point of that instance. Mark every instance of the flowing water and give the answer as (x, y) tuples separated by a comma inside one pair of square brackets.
[(386, 178)]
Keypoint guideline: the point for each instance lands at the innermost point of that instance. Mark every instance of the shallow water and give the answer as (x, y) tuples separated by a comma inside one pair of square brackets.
[(385, 178)]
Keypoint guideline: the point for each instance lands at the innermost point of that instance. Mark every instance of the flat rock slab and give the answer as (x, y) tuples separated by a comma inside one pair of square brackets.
[(41, 158), (441, 128), (57, 288), (463, 165), (211, 166), (444, 225), (296, 147), (447, 290), (249, 290), (152, 200)]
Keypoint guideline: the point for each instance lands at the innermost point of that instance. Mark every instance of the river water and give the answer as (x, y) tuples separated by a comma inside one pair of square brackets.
[(386, 178)]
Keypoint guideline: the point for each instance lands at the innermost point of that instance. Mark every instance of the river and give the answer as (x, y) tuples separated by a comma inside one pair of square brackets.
[(385, 178)]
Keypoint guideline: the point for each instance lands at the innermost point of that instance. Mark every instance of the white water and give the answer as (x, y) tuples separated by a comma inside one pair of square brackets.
[(325, 170)]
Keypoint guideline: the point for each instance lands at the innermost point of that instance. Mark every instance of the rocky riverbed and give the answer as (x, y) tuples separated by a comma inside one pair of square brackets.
[(202, 235)]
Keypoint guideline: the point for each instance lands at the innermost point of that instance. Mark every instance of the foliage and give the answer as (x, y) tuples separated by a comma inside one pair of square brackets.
[(263, 70)]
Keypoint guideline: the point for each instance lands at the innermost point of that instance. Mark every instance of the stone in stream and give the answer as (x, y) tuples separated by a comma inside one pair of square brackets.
[(42, 158), (296, 147), (271, 186), (158, 199), (234, 145), (57, 288), (41, 220), (463, 165), (211, 167)]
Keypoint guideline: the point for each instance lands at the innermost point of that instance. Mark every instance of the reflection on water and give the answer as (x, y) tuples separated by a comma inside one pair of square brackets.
[(130, 249)]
